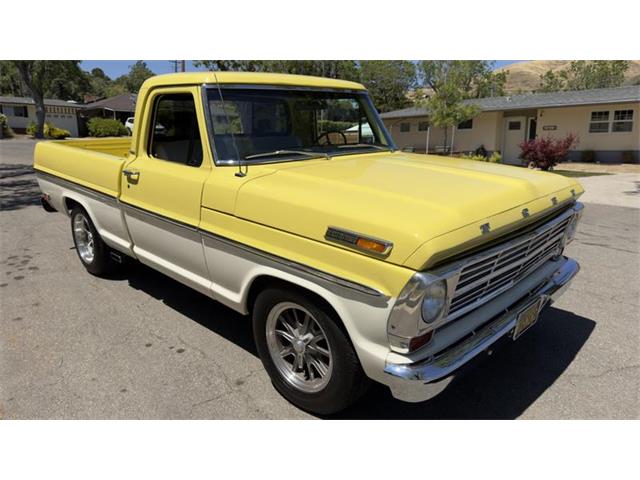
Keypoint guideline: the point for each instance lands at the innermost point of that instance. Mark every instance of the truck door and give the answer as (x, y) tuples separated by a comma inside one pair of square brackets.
[(162, 186)]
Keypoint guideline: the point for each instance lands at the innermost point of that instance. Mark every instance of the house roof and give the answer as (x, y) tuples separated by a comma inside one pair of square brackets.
[(47, 101), (538, 100), (125, 102)]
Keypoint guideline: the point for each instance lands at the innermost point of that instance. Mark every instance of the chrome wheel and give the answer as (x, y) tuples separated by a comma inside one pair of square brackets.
[(84, 238), (299, 347)]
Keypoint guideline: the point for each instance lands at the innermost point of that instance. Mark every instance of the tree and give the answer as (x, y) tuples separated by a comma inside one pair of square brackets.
[(41, 77), (132, 81), (584, 75), (344, 69), (101, 85), (452, 82), (388, 82), (231, 65), (10, 80), (551, 81)]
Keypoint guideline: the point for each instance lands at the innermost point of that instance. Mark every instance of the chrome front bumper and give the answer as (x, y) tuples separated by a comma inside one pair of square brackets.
[(416, 382)]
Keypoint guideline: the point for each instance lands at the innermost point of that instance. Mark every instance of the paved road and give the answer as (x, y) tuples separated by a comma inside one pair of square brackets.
[(140, 345)]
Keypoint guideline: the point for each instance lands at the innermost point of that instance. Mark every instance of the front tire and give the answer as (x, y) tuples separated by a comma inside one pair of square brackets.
[(306, 352), (94, 254)]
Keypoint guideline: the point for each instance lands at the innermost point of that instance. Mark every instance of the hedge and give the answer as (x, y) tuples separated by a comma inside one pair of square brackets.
[(50, 131), (4, 127), (106, 127)]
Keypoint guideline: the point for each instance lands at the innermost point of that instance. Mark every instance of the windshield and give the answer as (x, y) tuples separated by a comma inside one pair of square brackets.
[(270, 125)]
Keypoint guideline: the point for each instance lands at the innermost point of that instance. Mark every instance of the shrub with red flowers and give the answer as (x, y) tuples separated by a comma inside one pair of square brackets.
[(545, 153)]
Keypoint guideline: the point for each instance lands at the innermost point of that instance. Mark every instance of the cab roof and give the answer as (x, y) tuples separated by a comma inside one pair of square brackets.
[(249, 78)]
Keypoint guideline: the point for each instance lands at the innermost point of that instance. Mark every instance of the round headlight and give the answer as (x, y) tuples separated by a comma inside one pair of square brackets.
[(434, 301)]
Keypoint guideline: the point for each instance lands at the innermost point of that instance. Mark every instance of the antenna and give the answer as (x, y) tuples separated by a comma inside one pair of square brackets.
[(243, 167)]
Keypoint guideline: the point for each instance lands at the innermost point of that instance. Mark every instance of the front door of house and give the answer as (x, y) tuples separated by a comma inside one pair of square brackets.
[(533, 125), (515, 129)]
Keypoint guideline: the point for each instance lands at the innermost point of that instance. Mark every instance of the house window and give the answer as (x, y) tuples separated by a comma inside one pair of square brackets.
[(466, 125), (20, 111), (599, 122), (515, 125), (423, 126), (622, 121), (405, 127)]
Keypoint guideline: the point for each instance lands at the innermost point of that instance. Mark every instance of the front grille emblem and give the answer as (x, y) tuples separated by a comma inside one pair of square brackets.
[(525, 212), (485, 228)]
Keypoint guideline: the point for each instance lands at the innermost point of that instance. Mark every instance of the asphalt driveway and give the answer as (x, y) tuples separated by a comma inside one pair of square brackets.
[(140, 345)]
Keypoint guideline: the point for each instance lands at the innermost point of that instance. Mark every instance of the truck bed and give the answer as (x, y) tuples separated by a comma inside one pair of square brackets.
[(93, 163)]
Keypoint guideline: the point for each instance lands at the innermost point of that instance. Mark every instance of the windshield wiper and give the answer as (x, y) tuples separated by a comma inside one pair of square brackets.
[(276, 153), (361, 145)]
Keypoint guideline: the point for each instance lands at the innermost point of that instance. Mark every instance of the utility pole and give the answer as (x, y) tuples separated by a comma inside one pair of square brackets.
[(178, 65)]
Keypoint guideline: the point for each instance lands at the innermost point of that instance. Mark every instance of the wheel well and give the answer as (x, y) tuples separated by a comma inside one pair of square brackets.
[(264, 281), (70, 204)]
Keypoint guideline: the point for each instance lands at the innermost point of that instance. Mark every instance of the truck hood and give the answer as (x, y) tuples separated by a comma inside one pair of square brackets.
[(407, 199)]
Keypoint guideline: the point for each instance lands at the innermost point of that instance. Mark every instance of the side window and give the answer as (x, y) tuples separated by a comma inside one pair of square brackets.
[(174, 135), (622, 121), (599, 122), (20, 111)]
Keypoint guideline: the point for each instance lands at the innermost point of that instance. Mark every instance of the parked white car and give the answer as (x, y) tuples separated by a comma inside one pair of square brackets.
[(129, 125)]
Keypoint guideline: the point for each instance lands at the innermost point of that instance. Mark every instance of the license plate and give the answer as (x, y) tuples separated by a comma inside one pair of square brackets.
[(526, 318)]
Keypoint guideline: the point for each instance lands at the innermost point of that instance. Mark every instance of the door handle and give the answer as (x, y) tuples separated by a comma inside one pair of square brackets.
[(131, 173)]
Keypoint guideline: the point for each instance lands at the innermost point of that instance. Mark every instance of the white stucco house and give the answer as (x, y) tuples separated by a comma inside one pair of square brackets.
[(605, 121), (21, 111)]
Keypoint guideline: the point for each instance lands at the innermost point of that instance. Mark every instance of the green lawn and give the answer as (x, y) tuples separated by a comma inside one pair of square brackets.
[(571, 173)]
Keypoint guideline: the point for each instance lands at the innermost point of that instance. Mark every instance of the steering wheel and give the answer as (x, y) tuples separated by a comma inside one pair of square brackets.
[(327, 133)]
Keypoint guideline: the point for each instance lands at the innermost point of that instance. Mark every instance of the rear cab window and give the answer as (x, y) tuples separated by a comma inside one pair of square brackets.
[(174, 135)]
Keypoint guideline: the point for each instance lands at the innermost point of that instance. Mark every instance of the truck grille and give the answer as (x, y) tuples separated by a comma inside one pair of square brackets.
[(487, 275)]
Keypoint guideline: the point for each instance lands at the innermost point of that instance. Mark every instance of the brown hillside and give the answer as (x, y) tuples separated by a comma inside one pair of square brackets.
[(525, 76)]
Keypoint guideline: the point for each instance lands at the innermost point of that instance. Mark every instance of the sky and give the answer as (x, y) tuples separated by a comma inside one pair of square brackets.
[(115, 68)]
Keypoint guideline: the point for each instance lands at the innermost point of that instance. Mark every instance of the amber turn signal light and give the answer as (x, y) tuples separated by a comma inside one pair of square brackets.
[(372, 245), (419, 342)]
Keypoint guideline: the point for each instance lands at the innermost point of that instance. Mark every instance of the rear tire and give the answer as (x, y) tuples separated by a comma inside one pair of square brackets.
[(306, 351), (94, 254)]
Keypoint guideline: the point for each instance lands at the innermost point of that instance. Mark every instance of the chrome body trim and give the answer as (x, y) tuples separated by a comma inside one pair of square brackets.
[(130, 208), (90, 192), (419, 381), (188, 230), (299, 267), (246, 248)]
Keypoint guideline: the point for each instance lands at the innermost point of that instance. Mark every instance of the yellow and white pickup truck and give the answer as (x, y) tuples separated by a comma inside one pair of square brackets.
[(284, 197)]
